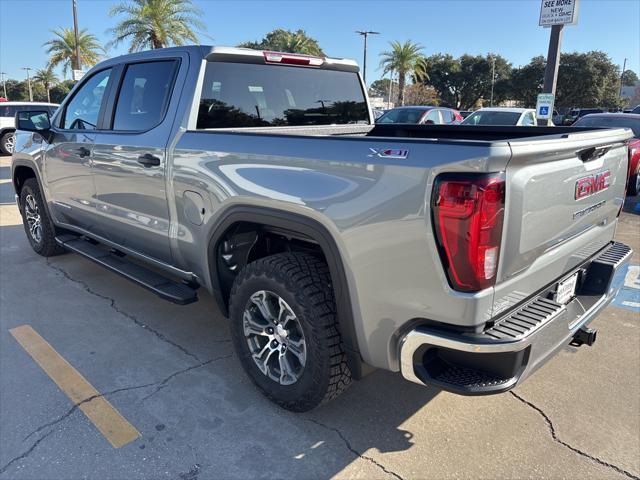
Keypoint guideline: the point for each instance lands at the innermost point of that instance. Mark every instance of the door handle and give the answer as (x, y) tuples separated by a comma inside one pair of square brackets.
[(84, 152), (149, 160)]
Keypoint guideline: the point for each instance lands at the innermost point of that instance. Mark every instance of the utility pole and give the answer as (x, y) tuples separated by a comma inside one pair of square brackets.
[(553, 62), (29, 82), (4, 84), (390, 90), (493, 75), (365, 34), (75, 32), (624, 67)]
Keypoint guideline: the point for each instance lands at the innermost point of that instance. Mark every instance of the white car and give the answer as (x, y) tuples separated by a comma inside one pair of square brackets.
[(520, 117), (8, 112)]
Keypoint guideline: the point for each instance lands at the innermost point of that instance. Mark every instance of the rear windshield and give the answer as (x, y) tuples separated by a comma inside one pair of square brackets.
[(254, 95), (492, 118), (402, 115), (616, 121)]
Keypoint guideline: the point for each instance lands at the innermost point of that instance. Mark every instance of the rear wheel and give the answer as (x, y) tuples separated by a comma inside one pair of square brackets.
[(285, 331), (38, 226), (7, 143)]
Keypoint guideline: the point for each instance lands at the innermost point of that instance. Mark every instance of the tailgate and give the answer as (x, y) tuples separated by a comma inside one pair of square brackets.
[(562, 200)]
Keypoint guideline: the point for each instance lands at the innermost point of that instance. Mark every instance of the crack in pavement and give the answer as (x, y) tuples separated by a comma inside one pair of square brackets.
[(554, 436), (130, 316), (354, 451), (75, 407)]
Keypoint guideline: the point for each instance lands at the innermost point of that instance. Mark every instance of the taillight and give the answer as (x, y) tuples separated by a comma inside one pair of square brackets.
[(468, 212), (292, 59)]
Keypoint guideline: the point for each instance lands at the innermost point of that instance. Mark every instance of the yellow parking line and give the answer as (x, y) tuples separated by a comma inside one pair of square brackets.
[(116, 429)]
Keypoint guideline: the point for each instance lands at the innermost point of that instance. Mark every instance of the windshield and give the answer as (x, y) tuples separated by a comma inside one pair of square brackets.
[(610, 122), (492, 118), (402, 115), (256, 95)]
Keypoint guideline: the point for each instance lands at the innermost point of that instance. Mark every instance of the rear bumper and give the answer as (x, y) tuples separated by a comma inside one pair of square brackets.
[(517, 343)]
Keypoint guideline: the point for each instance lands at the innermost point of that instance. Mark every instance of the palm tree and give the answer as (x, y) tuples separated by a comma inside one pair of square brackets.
[(152, 24), (404, 58), (62, 49), (280, 40), (48, 78)]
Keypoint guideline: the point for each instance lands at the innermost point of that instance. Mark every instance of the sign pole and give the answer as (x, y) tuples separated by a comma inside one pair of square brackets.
[(553, 62)]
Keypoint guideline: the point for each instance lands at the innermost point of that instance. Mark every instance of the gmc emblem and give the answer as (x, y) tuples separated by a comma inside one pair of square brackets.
[(587, 186)]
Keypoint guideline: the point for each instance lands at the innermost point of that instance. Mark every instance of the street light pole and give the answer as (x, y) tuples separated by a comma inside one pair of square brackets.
[(390, 90), (75, 33), (29, 82), (493, 76), (365, 34), (4, 84)]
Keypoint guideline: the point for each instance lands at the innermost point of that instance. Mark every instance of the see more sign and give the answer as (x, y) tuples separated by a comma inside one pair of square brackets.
[(558, 12)]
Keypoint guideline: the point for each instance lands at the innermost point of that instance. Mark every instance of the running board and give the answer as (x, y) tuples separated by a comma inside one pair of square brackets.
[(164, 287)]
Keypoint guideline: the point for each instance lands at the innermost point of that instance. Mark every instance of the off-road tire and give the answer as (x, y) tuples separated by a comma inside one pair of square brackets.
[(303, 281), (47, 246)]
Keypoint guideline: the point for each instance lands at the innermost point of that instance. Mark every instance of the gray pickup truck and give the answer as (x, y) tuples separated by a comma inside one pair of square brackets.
[(462, 257)]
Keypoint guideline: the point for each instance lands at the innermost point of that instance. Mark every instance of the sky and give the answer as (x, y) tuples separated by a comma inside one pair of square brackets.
[(506, 27)]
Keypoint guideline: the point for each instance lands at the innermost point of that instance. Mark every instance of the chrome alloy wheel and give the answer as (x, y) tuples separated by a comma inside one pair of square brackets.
[(32, 213), (10, 143), (275, 337)]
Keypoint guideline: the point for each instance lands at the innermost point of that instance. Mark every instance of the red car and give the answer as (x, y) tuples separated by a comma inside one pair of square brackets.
[(617, 120)]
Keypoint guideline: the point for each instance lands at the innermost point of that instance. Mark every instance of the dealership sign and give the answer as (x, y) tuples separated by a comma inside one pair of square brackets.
[(558, 12)]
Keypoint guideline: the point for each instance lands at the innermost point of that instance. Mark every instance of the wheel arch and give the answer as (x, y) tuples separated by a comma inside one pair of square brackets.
[(302, 227)]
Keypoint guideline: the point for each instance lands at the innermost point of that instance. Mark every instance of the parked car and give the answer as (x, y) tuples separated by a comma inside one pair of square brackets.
[(620, 120), (521, 117), (218, 168), (636, 110), (576, 113), (557, 118), (465, 113), (378, 112), (8, 112), (421, 115)]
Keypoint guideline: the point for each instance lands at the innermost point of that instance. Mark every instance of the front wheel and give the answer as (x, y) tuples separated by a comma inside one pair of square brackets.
[(38, 226), (285, 330), (7, 143)]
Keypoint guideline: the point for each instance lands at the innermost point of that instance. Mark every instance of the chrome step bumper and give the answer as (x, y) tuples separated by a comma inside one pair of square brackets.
[(517, 343)]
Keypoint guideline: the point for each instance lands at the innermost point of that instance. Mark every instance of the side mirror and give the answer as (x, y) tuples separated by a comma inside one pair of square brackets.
[(33, 121)]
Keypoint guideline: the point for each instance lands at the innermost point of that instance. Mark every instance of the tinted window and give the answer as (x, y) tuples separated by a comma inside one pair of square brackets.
[(492, 118), (144, 95), (402, 115), (610, 122), (251, 95), (433, 118), (447, 116), (83, 109), (8, 110)]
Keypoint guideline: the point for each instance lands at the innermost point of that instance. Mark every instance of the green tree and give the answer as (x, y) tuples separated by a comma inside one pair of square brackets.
[(149, 24), (462, 82), (62, 49), (47, 77), (587, 80), (629, 78), (380, 88), (405, 59), (61, 90), (527, 81), (280, 40)]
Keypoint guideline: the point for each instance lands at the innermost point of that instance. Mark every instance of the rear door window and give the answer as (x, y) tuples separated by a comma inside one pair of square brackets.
[(144, 95), (447, 116), (432, 118), (256, 95)]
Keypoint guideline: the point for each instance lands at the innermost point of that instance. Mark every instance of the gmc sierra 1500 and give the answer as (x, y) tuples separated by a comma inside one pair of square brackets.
[(463, 257)]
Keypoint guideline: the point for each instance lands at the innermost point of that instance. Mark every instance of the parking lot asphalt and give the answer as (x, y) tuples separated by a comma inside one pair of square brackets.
[(171, 374)]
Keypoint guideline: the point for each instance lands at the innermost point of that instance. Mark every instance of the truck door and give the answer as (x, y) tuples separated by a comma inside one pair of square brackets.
[(130, 163), (67, 168)]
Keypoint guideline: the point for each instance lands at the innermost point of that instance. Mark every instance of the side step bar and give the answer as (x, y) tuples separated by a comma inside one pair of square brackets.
[(164, 287)]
